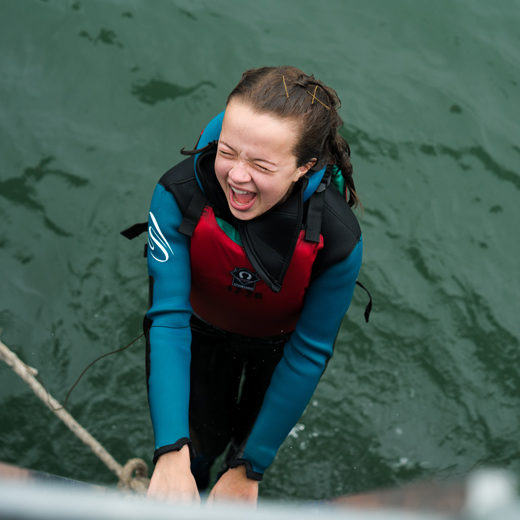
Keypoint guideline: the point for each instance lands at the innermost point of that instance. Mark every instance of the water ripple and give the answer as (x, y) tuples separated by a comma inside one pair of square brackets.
[(106, 36), (156, 90), (485, 159), (369, 147), (416, 253), (21, 190), (496, 348)]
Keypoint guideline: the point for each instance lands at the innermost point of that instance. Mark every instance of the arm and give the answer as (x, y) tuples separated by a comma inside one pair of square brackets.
[(305, 357), (169, 355), (172, 477), (234, 485)]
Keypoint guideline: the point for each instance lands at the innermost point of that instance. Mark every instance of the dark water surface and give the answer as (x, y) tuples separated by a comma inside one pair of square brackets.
[(97, 97)]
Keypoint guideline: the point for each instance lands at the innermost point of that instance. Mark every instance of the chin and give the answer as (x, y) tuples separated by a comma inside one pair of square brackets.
[(243, 215)]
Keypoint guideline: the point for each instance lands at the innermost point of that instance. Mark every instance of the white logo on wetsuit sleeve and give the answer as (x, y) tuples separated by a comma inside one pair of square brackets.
[(156, 240)]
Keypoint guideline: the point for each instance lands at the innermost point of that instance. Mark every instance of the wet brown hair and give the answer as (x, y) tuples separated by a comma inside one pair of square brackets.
[(290, 93)]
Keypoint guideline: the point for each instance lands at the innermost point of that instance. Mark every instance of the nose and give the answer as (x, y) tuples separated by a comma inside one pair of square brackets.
[(239, 173)]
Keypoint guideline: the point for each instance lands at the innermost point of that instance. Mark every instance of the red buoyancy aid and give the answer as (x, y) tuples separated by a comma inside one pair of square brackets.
[(226, 291)]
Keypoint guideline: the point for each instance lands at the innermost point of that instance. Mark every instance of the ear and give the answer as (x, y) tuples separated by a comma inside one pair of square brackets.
[(302, 170)]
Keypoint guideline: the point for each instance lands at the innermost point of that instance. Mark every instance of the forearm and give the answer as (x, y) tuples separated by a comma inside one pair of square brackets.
[(168, 385), (170, 333)]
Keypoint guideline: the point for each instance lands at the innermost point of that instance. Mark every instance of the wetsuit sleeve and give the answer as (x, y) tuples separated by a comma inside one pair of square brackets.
[(170, 333), (305, 357)]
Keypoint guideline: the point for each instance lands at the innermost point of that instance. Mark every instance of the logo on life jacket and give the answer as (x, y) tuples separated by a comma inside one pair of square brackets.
[(244, 278)]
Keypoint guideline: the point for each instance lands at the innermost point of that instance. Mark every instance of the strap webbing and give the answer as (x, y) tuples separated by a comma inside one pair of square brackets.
[(193, 213), (368, 308), (135, 230), (315, 210), (314, 213)]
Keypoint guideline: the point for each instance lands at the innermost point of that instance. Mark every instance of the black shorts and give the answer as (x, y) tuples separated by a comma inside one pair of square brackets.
[(229, 376)]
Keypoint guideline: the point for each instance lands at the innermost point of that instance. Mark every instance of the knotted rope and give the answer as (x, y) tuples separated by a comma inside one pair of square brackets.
[(132, 476)]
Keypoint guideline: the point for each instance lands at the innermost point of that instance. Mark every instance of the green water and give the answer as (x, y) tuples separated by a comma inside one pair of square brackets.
[(97, 97)]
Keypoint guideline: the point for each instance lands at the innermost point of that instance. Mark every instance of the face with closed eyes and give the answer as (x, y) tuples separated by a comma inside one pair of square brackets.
[(255, 163)]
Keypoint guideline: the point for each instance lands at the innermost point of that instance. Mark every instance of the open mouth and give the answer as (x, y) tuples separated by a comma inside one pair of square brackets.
[(241, 199)]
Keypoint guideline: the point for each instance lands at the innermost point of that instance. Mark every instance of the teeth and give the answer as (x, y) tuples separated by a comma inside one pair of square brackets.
[(240, 192)]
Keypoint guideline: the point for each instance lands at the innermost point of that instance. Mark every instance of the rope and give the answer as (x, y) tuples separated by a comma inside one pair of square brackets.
[(131, 476), (95, 361)]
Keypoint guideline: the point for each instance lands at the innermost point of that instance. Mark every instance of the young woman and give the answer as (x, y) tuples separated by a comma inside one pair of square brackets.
[(253, 257)]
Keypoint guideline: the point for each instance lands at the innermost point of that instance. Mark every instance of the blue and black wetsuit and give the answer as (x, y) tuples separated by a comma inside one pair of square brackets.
[(282, 359)]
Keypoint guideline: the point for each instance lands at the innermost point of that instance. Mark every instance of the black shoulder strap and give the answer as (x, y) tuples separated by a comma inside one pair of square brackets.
[(193, 213), (315, 210), (336, 247), (181, 182)]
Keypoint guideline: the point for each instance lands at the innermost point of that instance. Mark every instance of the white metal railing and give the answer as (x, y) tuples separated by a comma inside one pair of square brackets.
[(491, 495)]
